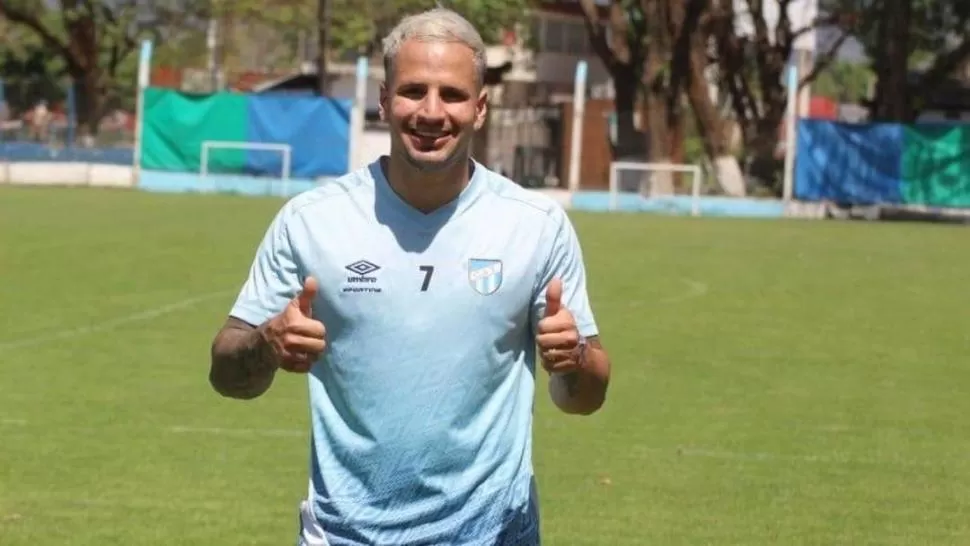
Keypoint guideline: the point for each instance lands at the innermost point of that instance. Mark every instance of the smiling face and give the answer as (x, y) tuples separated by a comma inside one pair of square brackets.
[(434, 103)]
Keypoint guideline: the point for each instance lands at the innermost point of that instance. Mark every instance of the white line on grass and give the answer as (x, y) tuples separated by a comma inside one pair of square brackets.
[(112, 323), (695, 289)]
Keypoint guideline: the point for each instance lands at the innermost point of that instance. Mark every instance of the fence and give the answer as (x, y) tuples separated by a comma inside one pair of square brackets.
[(44, 111), (883, 164), (532, 144), (245, 143), (525, 144), (39, 137), (176, 125)]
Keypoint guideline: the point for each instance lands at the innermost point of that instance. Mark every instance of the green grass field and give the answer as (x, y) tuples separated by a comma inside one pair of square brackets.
[(775, 382)]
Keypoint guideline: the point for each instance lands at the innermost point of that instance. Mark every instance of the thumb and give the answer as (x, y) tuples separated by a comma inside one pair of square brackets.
[(304, 300), (553, 297)]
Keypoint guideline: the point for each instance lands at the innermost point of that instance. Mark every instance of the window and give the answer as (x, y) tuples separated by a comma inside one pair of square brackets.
[(577, 39), (560, 35), (535, 33), (555, 37)]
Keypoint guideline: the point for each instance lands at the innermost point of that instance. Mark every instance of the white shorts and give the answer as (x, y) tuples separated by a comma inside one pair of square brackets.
[(311, 533)]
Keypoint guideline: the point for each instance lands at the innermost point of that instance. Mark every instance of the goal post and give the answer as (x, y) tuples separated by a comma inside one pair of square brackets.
[(285, 151), (616, 167)]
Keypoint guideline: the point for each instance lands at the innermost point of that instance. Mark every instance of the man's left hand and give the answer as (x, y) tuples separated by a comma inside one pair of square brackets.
[(560, 345)]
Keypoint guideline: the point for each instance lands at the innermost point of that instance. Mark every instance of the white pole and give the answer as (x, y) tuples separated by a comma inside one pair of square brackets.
[(790, 133), (286, 170), (357, 116), (579, 111), (614, 187), (144, 79), (211, 43), (204, 165), (695, 202)]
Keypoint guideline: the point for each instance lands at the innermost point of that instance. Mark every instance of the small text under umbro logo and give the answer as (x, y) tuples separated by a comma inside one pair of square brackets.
[(362, 270)]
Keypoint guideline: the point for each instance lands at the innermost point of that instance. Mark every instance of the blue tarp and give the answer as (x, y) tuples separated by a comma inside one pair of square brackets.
[(849, 163), (317, 130)]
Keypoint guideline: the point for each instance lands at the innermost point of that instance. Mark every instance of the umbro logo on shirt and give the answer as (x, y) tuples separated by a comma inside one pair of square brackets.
[(362, 279), (362, 267)]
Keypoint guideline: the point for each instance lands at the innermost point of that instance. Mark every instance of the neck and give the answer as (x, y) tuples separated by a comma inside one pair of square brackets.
[(424, 190)]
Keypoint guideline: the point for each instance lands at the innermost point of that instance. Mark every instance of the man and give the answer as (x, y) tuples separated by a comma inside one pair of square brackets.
[(414, 293)]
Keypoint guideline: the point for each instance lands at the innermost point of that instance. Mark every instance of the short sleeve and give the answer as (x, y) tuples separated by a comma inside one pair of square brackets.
[(565, 261), (274, 277)]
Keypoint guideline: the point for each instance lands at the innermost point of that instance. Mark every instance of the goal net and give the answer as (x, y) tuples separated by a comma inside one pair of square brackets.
[(257, 168), (661, 187)]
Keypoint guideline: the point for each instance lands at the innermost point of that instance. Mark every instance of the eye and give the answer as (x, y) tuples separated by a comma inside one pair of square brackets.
[(450, 94), (414, 92)]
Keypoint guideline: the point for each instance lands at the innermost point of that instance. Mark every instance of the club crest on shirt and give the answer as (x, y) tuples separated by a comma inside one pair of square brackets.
[(485, 276)]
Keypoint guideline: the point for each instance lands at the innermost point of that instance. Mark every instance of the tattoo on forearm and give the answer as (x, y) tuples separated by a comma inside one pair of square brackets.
[(240, 366), (571, 380)]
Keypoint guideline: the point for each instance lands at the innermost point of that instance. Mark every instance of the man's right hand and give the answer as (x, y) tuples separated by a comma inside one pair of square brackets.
[(296, 339)]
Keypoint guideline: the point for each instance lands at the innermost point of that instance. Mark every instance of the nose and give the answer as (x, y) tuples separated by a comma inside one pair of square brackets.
[(432, 110)]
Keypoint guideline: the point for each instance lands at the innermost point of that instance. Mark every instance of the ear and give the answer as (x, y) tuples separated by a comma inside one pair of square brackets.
[(382, 104), (481, 109)]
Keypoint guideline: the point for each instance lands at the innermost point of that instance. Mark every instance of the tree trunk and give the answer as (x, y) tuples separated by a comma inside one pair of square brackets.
[(764, 166), (89, 103), (657, 118), (655, 90), (892, 94), (629, 141), (678, 137), (658, 137), (710, 124)]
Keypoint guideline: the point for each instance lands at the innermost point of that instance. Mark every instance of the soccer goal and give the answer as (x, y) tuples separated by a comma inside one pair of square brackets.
[(274, 162), (653, 181)]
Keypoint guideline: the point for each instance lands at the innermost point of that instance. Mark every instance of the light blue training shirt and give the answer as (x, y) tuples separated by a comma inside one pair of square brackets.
[(421, 406)]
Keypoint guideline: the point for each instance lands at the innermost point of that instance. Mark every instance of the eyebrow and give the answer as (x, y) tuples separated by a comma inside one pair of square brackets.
[(405, 84)]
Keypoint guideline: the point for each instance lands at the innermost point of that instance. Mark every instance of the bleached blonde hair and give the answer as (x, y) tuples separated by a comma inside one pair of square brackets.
[(435, 25)]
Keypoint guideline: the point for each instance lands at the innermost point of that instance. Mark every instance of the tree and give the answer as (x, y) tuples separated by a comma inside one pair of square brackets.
[(29, 75), (655, 51), (349, 26), (896, 35), (751, 73), (94, 39), (359, 25), (621, 45), (690, 54), (844, 81), (665, 74)]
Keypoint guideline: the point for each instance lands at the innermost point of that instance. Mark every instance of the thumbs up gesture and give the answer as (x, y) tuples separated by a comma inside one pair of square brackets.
[(557, 336), (296, 338)]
